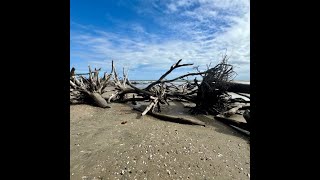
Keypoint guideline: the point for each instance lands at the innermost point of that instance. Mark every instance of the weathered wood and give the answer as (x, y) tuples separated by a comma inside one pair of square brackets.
[(112, 96), (151, 105), (233, 111), (240, 100), (246, 115), (173, 118), (242, 94), (72, 72), (174, 66), (99, 100), (134, 102), (139, 90), (232, 122), (211, 96)]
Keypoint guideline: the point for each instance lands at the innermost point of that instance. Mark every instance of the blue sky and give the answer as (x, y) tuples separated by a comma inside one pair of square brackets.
[(148, 36)]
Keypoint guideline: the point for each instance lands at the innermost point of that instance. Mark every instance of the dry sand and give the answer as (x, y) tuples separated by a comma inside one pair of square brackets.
[(149, 148)]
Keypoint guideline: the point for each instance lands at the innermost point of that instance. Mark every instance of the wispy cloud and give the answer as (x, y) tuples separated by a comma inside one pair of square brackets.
[(196, 31)]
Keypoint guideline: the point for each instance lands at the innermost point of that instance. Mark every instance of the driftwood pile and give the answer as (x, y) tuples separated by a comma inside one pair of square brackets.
[(210, 96)]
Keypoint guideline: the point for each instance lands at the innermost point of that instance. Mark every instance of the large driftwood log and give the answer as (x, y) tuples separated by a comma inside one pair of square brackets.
[(234, 110), (173, 118), (227, 121), (243, 94), (99, 100)]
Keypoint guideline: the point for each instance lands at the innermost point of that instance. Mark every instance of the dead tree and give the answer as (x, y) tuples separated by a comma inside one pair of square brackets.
[(157, 92), (87, 90), (210, 96), (212, 92)]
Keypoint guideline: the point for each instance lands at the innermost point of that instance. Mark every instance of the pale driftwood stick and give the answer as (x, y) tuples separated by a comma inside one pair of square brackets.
[(115, 73), (232, 111), (156, 103), (174, 66), (90, 73), (77, 82), (106, 79), (245, 107), (173, 118), (112, 96), (241, 94), (125, 78), (192, 92), (97, 78), (104, 83), (238, 100), (105, 74), (81, 82), (75, 101), (73, 85), (151, 105), (80, 88)]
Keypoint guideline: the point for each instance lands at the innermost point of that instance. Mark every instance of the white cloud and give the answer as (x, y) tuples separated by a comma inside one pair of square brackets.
[(202, 34), (172, 7)]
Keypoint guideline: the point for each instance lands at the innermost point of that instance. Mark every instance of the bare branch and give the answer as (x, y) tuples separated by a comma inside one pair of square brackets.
[(151, 105), (174, 66)]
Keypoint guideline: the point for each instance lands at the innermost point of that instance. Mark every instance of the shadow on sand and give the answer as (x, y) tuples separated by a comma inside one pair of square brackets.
[(177, 108), (222, 128)]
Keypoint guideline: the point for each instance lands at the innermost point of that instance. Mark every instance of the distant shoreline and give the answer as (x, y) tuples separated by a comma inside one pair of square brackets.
[(149, 81)]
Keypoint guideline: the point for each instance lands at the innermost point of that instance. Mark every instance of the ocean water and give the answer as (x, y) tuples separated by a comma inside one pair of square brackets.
[(242, 82), (144, 83)]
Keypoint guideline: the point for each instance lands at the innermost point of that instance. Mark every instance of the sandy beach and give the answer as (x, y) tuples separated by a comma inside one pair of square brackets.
[(117, 143)]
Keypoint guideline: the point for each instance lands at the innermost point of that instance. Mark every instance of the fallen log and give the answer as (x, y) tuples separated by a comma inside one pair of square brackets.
[(238, 100), (244, 95), (227, 121), (234, 110), (99, 100), (172, 118)]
